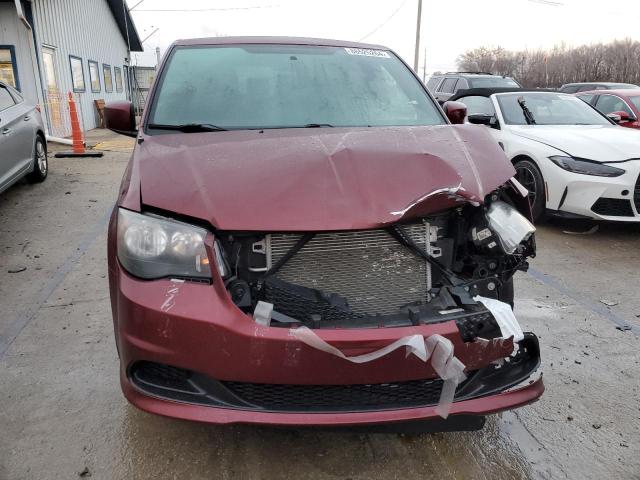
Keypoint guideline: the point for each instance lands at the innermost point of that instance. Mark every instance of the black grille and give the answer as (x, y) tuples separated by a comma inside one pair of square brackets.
[(305, 303), (613, 207), (163, 376), (636, 195), (338, 397)]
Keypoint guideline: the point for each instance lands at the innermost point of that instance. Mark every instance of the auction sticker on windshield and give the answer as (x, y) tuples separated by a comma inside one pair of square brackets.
[(367, 52)]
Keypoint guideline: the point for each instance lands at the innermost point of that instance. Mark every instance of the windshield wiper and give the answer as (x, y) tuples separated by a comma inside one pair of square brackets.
[(528, 116), (188, 127)]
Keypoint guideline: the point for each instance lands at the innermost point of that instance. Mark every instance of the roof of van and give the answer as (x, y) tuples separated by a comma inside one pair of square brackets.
[(276, 41)]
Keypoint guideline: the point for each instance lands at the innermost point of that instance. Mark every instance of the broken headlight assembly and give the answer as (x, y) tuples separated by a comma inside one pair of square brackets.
[(153, 247), (502, 228), (509, 225)]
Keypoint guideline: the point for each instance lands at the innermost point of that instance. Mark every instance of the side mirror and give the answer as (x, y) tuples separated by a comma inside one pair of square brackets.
[(455, 111), (120, 117), (482, 119), (622, 116)]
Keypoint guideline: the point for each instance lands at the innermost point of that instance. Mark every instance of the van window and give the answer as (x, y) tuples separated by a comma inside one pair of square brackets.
[(288, 86)]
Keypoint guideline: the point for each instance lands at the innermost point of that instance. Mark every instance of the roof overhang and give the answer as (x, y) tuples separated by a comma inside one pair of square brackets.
[(125, 24)]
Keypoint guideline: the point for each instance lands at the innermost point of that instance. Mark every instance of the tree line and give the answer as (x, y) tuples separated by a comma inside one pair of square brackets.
[(618, 61)]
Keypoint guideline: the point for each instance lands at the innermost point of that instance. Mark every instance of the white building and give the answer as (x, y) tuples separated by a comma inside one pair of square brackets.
[(51, 47)]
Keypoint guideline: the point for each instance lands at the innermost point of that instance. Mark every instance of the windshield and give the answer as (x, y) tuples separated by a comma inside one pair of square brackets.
[(635, 101), (548, 109), (492, 82), (286, 86)]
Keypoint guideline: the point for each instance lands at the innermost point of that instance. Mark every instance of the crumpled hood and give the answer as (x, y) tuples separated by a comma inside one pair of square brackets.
[(602, 143), (318, 179)]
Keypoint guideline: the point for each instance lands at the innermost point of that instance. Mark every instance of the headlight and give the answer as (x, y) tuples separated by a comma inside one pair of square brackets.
[(153, 247), (586, 167), (509, 225)]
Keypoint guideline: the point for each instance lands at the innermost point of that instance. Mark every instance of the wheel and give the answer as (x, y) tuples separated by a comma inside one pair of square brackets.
[(40, 162), (506, 292), (529, 175)]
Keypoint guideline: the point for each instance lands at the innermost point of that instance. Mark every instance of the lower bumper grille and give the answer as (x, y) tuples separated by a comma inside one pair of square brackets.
[(636, 195), (613, 207), (175, 384), (338, 397)]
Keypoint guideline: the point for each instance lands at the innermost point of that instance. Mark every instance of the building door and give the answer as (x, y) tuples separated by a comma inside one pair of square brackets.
[(52, 96)]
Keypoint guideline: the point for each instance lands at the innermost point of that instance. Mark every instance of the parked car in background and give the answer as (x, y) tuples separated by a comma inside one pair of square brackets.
[(443, 86), (273, 223), (622, 105), (23, 148), (584, 86), (574, 161)]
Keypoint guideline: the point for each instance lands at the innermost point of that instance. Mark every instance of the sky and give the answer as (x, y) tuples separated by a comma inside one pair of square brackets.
[(448, 27)]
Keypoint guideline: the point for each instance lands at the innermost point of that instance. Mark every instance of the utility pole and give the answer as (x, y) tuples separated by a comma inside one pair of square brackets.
[(417, 56), (424, 65), (157, 57)]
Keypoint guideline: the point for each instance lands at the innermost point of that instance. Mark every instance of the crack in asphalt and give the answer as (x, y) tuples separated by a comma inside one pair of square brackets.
[(557, 284), (24, 318)]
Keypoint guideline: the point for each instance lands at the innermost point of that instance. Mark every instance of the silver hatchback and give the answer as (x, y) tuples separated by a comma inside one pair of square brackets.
[(23, 148)]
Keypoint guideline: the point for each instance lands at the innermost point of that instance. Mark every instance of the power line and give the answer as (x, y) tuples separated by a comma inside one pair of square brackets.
[(385, 22)]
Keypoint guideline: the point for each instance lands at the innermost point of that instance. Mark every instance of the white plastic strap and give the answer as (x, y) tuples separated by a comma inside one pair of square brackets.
[(503, 313), (436, 347)]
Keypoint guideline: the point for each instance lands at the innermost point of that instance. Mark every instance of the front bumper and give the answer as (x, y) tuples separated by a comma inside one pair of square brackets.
[(600, 198), (196, 327)]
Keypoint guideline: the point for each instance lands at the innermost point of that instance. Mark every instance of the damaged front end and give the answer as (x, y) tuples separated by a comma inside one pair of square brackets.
[(456, 266), (415, 272), (283, 339)]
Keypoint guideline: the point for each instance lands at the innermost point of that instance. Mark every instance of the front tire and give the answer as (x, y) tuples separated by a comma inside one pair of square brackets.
[(529, 175), (40, 162)]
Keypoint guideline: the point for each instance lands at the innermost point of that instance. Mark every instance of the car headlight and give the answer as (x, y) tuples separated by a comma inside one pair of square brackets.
[(153, 247), (586, 167), (509, 225)]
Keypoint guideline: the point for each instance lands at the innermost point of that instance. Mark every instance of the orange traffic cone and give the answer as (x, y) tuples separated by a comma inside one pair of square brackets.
[(76, 132), (76, 135)]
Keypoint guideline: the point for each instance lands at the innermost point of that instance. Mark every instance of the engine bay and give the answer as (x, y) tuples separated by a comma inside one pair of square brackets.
[(426, 270)]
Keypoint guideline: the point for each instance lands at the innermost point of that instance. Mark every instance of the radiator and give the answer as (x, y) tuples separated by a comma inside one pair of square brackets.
[(371, 269)]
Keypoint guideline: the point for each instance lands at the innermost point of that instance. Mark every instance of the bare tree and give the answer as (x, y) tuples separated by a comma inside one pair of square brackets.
[(618, 61)]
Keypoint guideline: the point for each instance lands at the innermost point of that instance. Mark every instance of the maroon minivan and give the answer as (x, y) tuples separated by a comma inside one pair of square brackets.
[(303, 237)]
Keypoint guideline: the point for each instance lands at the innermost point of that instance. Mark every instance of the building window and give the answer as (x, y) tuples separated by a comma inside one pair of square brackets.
[(77, 74), (94, 76), (108, 81), (8, 67), (118, 74)]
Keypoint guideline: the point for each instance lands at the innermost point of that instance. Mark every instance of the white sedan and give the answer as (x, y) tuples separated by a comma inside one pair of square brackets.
[(574, 161)]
